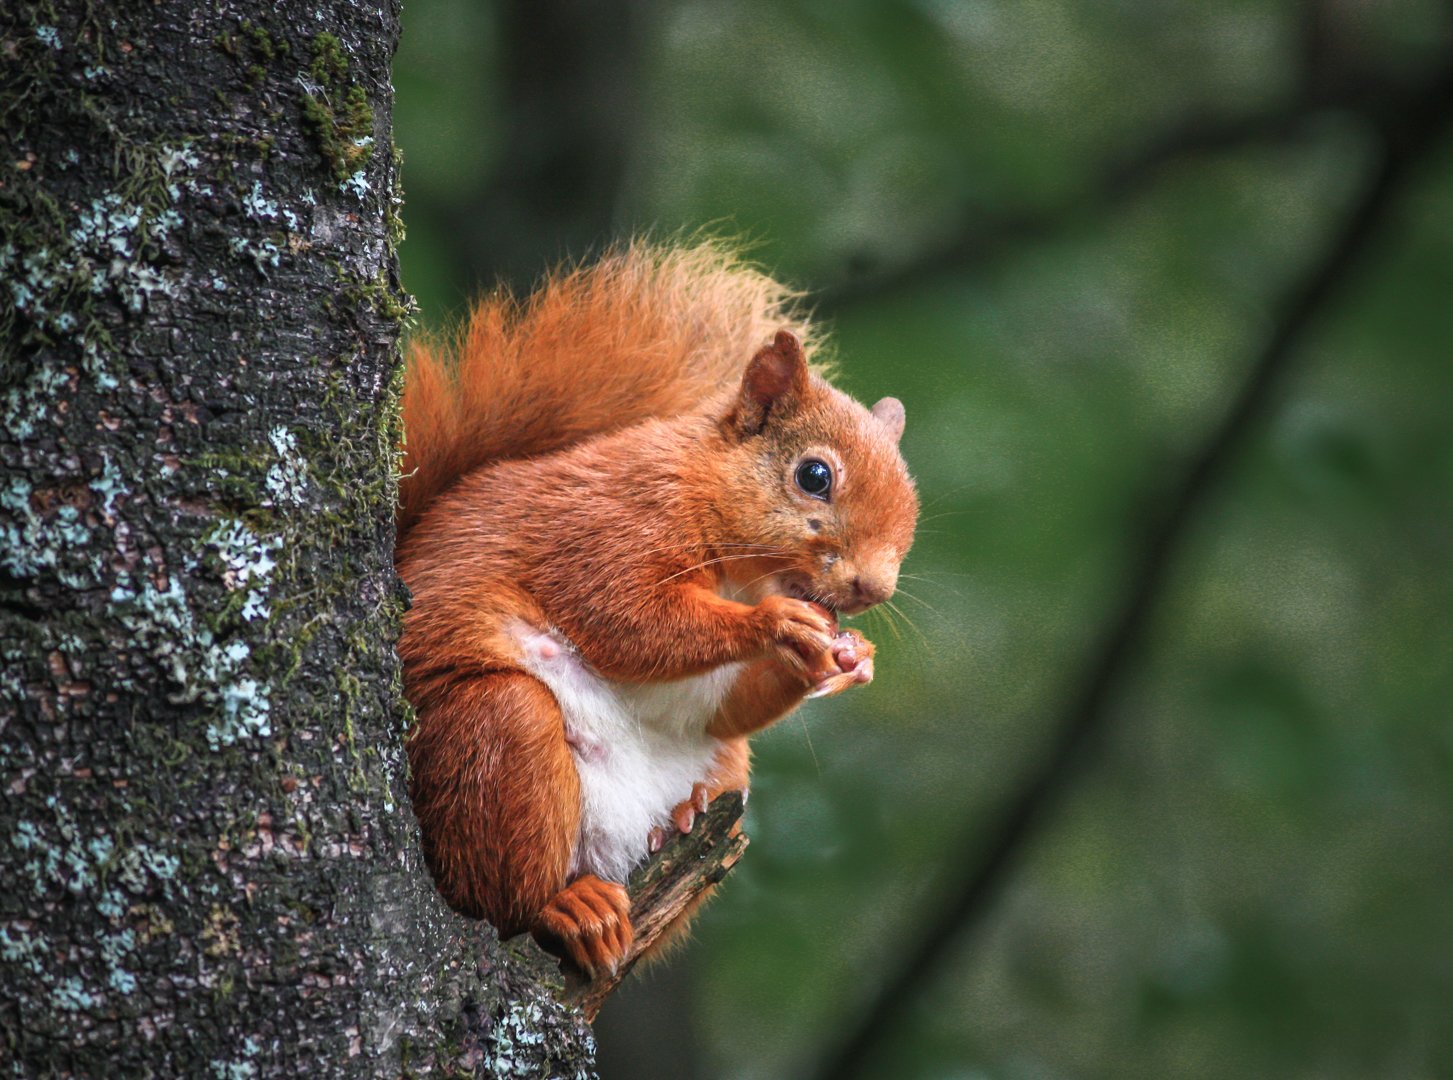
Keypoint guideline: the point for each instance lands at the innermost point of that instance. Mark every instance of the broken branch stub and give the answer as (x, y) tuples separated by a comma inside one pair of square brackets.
[(668, 886)]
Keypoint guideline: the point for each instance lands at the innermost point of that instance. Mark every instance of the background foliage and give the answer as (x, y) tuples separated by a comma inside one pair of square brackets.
[(1061, 232)]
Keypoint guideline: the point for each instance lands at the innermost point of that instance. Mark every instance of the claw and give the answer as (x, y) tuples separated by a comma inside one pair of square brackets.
[(589, 922), (683, 815)]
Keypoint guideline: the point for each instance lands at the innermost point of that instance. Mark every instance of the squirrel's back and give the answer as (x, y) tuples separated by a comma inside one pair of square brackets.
[(645, 331)]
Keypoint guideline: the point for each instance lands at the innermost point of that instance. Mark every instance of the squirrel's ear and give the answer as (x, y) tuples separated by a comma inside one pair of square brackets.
[(889, 412), (775, 383)]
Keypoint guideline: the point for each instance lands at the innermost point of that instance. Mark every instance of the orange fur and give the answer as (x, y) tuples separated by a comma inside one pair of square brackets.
[(600, 463), (646, 331), (524, 764)]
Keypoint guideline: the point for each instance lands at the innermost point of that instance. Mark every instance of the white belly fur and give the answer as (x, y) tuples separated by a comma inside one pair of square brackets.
[(638, 747)]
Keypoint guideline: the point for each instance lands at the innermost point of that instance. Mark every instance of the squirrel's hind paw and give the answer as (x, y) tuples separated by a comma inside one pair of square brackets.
[(589, 923), (683, 817)]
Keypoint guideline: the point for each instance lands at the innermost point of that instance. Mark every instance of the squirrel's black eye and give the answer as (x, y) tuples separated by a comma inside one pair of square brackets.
[(814, 478)]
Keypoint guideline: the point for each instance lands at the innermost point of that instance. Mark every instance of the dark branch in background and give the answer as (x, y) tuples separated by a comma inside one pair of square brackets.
[(1132, 175), (1408, 129), (573, 75)]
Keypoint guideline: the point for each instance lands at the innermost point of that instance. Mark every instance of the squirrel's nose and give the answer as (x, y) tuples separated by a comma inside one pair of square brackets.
[(870, 591)]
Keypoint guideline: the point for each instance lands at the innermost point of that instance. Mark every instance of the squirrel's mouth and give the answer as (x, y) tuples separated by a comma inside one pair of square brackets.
[(801, 591), (801, 588)]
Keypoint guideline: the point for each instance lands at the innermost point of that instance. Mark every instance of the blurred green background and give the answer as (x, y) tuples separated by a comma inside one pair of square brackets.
[(1061, 232)]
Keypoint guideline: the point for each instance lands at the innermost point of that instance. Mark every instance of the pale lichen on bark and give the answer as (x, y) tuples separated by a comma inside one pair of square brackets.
[(215, 871)]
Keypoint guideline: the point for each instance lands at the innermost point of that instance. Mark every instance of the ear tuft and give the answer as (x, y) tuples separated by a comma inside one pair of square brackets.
[(890, 414), (775, 383)]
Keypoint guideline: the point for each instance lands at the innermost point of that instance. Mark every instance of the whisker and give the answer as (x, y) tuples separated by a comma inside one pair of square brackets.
[(953, 513), (942, 495), (893, 615), (917, 599), (682, 548), (882, 613), (718, 559), (807, 737), (937, 586), (759, 577), (919, 578), (911, 624)]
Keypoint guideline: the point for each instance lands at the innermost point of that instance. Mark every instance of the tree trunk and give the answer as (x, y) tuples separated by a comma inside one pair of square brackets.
[(209, 863)]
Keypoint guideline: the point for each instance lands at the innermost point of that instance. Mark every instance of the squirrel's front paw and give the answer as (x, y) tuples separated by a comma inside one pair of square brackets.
[(801, 632), (589, 922), (853, 655)]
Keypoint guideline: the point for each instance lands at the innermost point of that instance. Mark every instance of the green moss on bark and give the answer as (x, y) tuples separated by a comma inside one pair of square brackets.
[(217, 871), (338, 113)]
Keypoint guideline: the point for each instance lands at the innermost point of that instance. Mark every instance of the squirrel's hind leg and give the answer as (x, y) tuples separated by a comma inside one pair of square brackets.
[(497, 795)]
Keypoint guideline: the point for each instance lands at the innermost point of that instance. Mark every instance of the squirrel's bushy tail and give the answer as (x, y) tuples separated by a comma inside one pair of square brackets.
[(646, 331)]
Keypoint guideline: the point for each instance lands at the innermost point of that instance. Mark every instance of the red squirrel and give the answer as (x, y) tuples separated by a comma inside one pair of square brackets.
[(630, 515)]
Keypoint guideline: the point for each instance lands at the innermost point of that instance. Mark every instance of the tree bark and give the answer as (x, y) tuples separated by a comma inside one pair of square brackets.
[(209, 863)]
